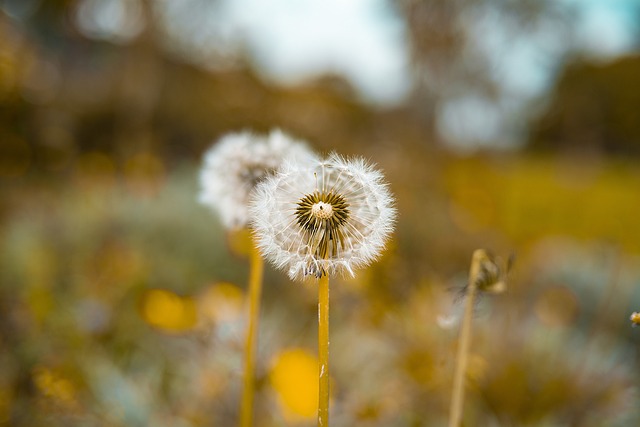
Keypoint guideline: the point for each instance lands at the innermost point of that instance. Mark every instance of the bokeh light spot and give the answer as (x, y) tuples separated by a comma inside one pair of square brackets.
[(114, 20)]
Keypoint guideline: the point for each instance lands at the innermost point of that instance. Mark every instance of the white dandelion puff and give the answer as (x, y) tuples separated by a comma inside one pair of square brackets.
[(323, 216), (236, 164)]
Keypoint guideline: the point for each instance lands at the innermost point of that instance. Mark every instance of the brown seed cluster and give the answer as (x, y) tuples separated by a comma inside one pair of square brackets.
[(322, 216)]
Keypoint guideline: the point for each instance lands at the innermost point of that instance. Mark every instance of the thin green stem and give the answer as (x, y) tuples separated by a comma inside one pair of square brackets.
[(457, 399), (323, 351), (255, 291)]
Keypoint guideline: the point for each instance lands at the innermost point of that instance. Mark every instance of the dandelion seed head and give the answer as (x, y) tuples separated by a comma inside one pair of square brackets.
[(236, 164), (322, 216)]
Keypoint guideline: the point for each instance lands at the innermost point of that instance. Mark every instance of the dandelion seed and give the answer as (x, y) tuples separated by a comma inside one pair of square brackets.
[(323, 217), (236, 164)]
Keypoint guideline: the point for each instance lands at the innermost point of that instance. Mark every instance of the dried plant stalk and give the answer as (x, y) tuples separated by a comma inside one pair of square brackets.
[(255, 291), (323, 350), (457, 399)]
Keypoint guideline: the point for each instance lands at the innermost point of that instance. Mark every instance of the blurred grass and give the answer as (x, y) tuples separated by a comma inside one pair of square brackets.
[(530, 197), (122, 302)]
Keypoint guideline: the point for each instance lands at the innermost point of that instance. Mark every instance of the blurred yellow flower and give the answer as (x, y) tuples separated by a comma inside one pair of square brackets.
[(221, 302), (635, 318), (54, 386), (168, 311), (294, 377)]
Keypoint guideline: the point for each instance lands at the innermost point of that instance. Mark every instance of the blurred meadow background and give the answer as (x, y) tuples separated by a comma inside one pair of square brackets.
[(507, 125)]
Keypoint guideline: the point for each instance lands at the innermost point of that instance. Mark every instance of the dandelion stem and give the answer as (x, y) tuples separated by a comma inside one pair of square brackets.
[(323, 350), (255, 290), (457, 399)]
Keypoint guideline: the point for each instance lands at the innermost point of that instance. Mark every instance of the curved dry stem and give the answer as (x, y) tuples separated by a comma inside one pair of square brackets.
[(457, 399)]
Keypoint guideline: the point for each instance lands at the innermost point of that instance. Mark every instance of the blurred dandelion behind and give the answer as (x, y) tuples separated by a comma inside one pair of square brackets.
[(236, 164)]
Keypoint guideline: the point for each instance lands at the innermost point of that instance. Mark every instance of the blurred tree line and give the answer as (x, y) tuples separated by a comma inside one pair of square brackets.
[(63, 92), (594, 108)]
